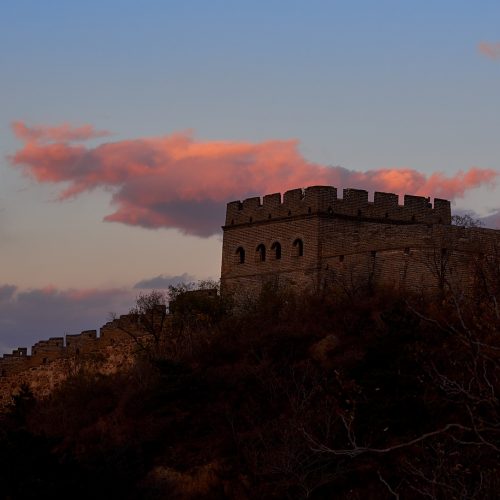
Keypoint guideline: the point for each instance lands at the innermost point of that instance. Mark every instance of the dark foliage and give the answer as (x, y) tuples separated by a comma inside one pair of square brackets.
[(294, 397)]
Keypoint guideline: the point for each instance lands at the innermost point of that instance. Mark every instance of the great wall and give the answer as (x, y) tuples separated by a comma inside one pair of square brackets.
[(312, 239), (52, 360), (309, 239)]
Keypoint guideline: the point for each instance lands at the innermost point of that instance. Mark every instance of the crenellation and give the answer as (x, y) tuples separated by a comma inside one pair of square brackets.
[(320, 198), (294, 198), (385, 201), (355, 198), (48, 350), (323, 200), (271, 203), (417, 208), (48, 364), (20, 352), (417, 203), (251, 204), (233, 212), (84, 341), (442, 210), (119, 329), (85, 336), (50, 345)]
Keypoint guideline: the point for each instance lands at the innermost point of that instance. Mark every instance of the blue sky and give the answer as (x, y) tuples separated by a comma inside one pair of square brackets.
[(361, 85)]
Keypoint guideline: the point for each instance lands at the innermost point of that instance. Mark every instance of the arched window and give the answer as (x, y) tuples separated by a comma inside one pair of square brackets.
[(261, 253), (276, 248), (240, 255), (299, 247)]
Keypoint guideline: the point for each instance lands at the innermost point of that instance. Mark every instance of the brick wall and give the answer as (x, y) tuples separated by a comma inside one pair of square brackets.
[(348, 241), (52, 360)]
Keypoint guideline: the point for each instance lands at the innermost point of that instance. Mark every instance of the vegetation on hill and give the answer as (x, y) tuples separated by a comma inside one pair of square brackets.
[(288, 396)]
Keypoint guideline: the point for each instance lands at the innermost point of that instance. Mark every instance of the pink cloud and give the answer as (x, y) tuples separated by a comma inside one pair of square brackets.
[(178, 182), (491, 50), (60, 133)]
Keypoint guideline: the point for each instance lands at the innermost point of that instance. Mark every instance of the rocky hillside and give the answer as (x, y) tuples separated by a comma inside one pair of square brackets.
[(352, 396)]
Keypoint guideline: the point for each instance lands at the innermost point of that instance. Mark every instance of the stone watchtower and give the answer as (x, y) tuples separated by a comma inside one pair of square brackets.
[(311, 238)]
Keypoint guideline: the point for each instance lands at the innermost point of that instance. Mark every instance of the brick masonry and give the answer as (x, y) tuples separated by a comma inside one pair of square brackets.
[(348, 242), (52, 361)]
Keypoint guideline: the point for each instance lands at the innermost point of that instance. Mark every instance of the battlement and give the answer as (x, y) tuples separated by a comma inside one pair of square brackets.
[(86, 340), (118, 332), (46, 351), (20, 352), (323, 200), (53, 344)]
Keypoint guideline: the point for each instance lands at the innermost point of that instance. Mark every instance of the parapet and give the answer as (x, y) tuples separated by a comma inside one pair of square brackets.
[(53, 344), (20, 352), (13, 362), (85, 339), (316, 200), (120, 329)]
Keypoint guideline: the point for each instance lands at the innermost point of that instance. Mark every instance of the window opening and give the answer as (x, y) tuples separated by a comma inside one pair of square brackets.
[(276, 247), (240, 252), (261, 252), (299, 247)]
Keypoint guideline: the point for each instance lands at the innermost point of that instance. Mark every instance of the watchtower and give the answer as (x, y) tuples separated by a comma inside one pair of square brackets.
[(310, 237)]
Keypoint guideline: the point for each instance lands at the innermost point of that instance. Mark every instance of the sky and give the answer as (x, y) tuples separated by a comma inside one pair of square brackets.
[(126, 126)]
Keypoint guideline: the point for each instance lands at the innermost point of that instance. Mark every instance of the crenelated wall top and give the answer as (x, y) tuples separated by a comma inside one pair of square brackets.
[(324, 200)]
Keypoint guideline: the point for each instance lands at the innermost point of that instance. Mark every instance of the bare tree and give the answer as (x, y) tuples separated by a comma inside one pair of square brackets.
[(146, 323), (465, 220)]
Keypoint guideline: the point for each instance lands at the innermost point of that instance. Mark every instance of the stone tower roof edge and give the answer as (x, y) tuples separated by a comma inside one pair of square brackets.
[(354, 202)]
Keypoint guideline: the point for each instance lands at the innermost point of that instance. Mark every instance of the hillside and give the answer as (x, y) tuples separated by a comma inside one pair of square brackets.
[(291, 396)]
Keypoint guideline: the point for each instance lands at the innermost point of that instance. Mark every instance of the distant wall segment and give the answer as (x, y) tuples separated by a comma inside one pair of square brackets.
[(46, 365)]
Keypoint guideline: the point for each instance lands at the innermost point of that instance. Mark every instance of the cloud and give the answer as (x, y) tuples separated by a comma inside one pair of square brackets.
[(175, 181), (492, 220), (27, 316), (7, 292), (60, 133), (491, 50), (162, 281)]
